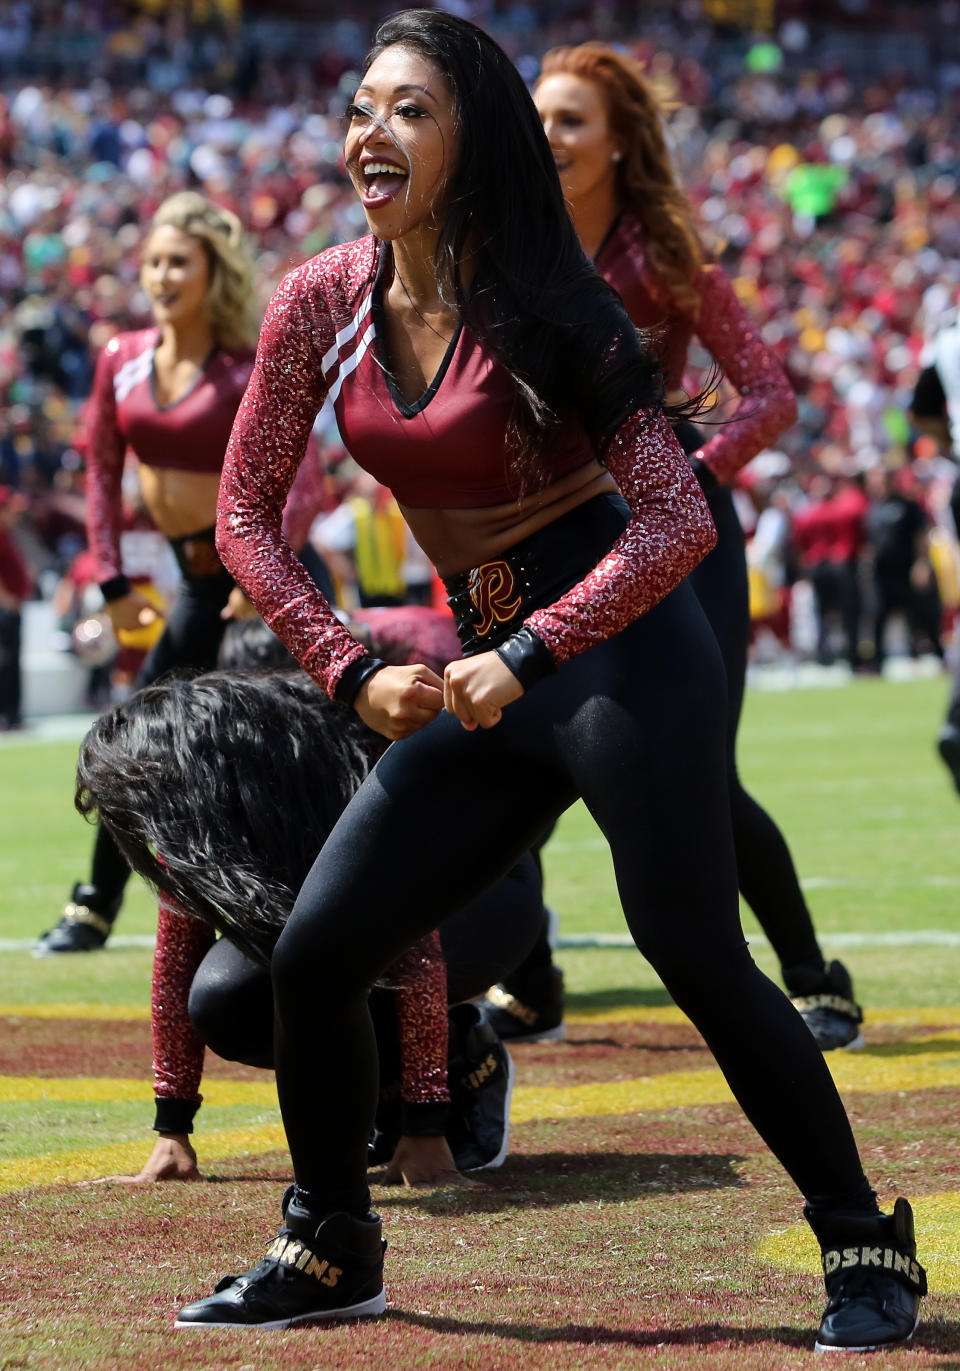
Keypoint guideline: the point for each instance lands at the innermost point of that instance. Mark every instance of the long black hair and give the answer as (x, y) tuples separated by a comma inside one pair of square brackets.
[(538, 303), (221, 789)]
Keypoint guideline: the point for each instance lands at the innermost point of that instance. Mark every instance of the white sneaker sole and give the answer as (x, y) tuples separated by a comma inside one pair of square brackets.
[(870, 1346), (376, 1305), (501, 1156)]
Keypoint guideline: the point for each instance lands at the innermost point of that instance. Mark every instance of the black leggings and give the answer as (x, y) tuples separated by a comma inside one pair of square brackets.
[(191, 639), (231, 998), (636, 727), (767, 876)]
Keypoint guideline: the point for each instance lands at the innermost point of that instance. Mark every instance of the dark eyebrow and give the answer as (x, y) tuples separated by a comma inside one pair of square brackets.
[(397, 90)]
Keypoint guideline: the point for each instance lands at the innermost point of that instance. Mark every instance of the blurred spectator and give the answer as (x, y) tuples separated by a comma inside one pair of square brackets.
[(769, 553), (14, 588), (370, 551), (903, 580), (829, 536)]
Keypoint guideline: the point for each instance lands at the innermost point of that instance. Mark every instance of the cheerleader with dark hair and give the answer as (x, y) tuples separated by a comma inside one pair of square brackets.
[(482, 370)]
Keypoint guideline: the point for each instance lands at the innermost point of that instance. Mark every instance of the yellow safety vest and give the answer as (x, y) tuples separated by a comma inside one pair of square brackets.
[(379, 548)]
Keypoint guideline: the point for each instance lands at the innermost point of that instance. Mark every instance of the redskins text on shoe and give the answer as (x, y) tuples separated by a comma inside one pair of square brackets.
[(334, 1273), (874, 1281)]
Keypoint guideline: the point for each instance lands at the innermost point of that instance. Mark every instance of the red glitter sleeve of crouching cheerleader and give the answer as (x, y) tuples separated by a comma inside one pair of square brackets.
[(182, 944), (419, 982), (767, 404), (670, 532), (267, 445)]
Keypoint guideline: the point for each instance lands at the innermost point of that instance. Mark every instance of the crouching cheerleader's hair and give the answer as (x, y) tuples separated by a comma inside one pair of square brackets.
[(220, 791)]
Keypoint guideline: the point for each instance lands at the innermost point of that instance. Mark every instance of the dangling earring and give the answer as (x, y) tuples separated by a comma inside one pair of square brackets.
[(616, 156)]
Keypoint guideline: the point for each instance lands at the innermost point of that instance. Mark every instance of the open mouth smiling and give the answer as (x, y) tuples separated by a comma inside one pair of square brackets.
[(381, 183)]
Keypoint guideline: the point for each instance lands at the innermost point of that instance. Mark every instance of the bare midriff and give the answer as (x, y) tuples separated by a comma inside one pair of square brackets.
[(458, 539), (180, 502)]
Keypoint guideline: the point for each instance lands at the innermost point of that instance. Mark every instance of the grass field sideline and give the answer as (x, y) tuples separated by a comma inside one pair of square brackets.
[(638, 1221)]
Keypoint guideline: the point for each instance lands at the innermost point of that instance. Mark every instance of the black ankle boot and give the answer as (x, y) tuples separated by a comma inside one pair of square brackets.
[(874, 1281), (315, 1269), (824, 1000), (480, 1075), (528, 1009), (84, 926)]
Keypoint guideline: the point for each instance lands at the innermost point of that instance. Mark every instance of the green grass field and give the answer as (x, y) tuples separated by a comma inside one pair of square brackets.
[(637, 1221)]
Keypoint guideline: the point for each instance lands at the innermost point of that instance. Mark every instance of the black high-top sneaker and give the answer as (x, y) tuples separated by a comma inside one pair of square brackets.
[(313, 1271), (874, 1281), (530, 1010), (825, 1003), (480, 1075), (84, 926)]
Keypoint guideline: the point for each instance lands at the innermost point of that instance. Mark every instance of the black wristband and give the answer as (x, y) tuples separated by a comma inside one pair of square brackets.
[(428, 1120), (174, 1116), (348, 686), (115, 588), (527, 656), (708, 482)]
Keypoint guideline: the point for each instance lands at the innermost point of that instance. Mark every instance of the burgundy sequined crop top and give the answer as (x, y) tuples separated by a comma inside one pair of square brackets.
[(767, 404), (446, 450), (123, 412), (315, 340)]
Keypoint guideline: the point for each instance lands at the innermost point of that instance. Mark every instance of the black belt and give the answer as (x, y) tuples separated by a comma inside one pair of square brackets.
[(491, 601)]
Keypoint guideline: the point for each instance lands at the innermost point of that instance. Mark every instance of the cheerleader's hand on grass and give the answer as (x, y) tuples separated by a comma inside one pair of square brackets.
[(476, 689), (398, 700), (425, 1161), (172, 1159)]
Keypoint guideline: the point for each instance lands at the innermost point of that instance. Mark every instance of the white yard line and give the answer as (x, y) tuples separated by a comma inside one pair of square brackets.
[(928, 937), (923, 937), (121, 940)]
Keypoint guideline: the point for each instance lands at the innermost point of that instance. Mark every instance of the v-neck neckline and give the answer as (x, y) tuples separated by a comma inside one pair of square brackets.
[(172, 404), (407, 409)]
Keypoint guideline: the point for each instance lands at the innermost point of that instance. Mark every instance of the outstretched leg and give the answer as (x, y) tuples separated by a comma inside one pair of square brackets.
[(666, 815)]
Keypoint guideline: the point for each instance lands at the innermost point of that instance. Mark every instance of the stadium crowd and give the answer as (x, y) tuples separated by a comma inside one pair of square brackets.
[(830, 201)]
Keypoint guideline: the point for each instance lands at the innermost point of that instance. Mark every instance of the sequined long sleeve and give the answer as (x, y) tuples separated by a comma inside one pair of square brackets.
[(670, 532), (266, 447), (182, 944), (767, 403), (105, 454), (306, 499), (419, 980)]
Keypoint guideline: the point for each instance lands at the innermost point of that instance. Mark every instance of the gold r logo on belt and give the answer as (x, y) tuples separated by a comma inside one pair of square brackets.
[(494, 594)]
